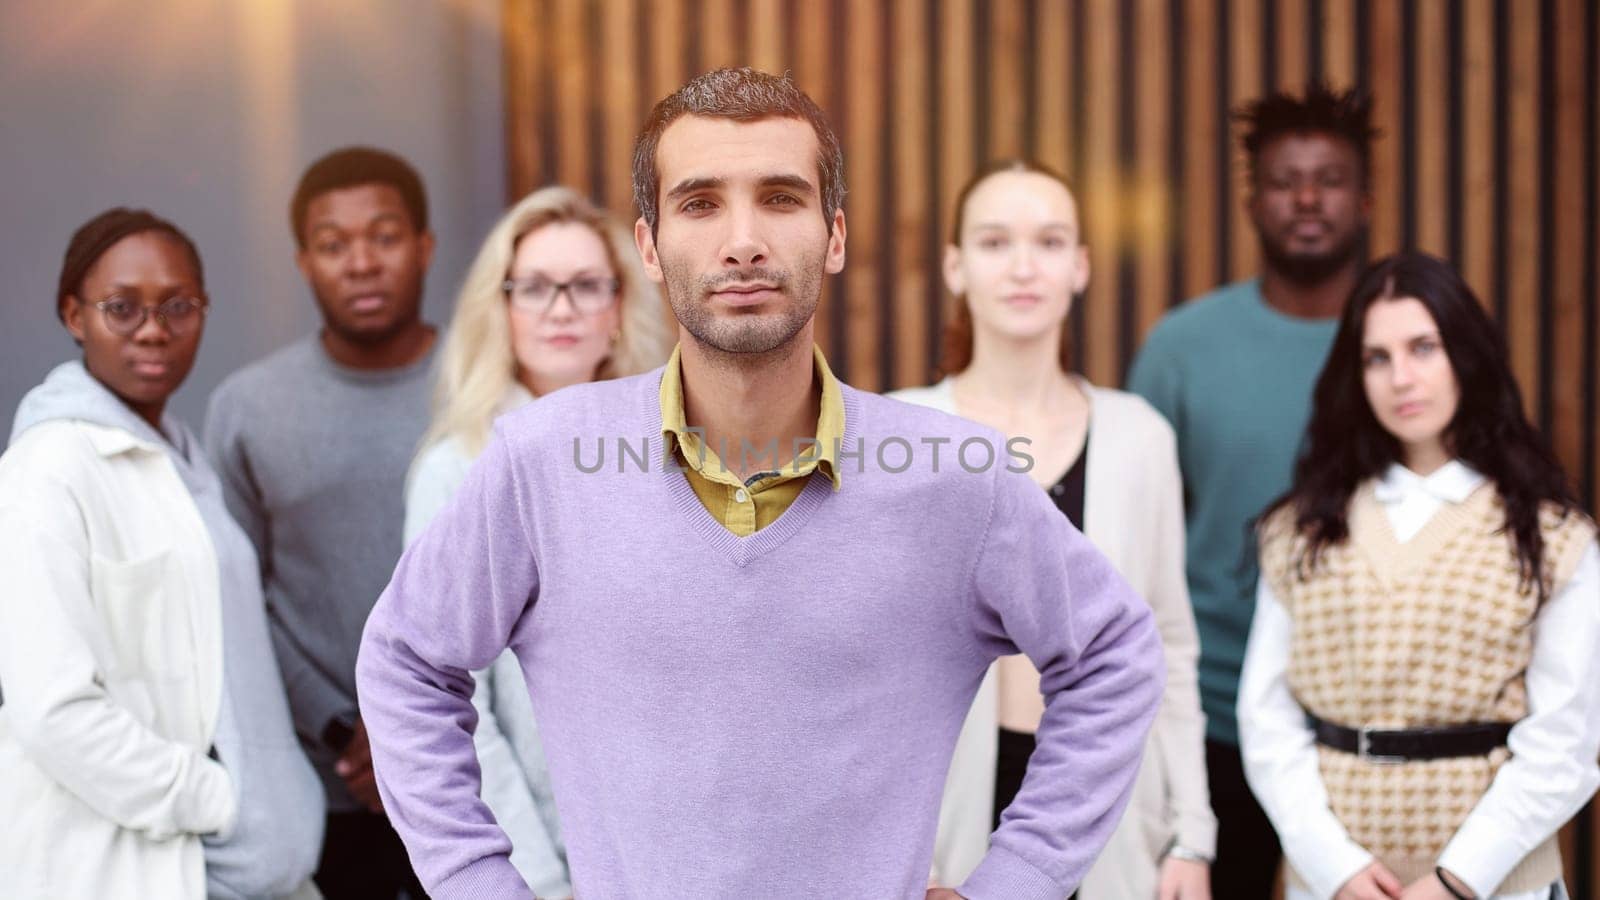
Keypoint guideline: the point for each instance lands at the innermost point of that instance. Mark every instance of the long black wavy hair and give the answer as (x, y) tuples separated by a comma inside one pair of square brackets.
[(1345, 445)]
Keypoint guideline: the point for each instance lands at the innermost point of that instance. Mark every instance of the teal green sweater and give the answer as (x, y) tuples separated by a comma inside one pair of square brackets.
[(1234, 377)]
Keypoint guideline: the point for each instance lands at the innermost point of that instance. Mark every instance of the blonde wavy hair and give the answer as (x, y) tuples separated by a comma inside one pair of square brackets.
[(477, 366)]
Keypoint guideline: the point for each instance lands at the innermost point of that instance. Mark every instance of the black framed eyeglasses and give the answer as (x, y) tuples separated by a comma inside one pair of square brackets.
[(588, 293), (179, 315)]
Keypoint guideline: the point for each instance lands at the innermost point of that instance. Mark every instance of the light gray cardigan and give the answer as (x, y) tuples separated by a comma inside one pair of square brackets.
[(1133, 512)]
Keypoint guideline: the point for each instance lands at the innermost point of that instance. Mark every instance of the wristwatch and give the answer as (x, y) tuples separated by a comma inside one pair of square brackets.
[(1178, 851)]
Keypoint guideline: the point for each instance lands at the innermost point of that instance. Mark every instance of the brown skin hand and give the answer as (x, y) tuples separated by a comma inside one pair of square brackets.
[(355, 767)]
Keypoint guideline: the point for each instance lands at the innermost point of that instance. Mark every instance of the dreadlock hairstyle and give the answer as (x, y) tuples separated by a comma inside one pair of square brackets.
[(1345, 444), (1346, 115), (94, 237)]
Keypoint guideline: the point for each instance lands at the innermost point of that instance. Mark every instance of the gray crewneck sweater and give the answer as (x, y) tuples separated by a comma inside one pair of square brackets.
[(274, 844), (313, 458)]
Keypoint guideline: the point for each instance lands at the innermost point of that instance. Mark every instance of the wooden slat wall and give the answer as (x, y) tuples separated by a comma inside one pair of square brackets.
[(1489, 157)]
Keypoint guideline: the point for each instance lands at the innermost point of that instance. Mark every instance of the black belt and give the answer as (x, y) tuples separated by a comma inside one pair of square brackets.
[(1479, 739)]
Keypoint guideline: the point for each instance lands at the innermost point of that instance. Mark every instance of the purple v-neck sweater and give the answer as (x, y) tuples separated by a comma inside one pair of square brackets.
[(760, 717)]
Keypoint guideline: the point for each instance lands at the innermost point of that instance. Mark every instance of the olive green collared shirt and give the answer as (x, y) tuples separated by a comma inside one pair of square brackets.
[(745, 507)]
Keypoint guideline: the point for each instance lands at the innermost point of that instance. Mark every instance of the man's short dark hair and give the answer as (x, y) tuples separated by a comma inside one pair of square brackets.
[(1346, 115), (744, 95), (351, 167)]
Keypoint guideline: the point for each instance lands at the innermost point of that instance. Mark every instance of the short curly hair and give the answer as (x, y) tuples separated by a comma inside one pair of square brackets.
[(352, 167), (1342, 114), (744, 95)]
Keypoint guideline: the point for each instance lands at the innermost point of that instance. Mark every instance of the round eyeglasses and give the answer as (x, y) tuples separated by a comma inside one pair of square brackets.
[(179, 315), (588, 293)]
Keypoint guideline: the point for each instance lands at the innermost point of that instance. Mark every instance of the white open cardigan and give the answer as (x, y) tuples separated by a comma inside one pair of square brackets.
[(111, 664), (1133, 512)]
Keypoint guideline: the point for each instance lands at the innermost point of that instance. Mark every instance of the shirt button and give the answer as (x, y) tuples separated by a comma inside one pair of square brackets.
[(741, 495)]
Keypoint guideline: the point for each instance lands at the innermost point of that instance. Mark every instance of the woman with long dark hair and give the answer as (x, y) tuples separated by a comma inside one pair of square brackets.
[(1418, 709)]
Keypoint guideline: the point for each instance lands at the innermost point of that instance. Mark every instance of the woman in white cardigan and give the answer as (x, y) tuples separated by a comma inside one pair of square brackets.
[(1016, 260), (556, 297), (145, 743)]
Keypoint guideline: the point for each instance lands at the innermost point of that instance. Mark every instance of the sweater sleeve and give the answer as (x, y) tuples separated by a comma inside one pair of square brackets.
[(1042, 589), (1180, 725), (457, 594), (314, 698), (1552, 770), (59, 702), (435, 477), (1155, 376)]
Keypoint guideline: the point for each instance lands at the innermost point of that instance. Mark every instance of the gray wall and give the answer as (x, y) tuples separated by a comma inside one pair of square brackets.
[(206, 111)]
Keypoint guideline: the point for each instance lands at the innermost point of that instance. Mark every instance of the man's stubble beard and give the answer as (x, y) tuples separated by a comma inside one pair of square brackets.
[(749, 334), (1309, 271), (407, 315)]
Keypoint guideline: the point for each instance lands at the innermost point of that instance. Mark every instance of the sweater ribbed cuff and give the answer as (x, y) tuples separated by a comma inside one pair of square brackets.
[(1004, 875), (491, 876)]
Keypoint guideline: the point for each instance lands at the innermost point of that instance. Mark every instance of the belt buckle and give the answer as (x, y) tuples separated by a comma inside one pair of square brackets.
[(1364, 750)]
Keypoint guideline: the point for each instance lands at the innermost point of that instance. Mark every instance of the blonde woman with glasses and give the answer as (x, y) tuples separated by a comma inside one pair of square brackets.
[(556, 297)]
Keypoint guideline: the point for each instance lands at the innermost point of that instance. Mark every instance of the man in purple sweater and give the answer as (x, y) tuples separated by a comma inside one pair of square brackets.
[(749, 672)]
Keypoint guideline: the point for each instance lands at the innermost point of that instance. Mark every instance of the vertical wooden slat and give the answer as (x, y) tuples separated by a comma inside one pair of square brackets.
[(1568, 302), (1006, 93), (1478, 223), (864, 117), (666, 24), (574, 152), (1594, 364), (1432, 114), (1102, 194), (814, 73), (1522, 302), (766, 35), (718, 38), (1383, 37), (1293, 60), (555, 95), (911, 210), (1152, 207), (1244, 80), (619, 28), (1201, 121), (1053, 86), (1339, 43), (957, 122), (523, 112)]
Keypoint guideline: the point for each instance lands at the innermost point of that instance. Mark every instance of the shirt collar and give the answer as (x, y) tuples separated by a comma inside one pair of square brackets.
[(1453, 482), (830, 419)]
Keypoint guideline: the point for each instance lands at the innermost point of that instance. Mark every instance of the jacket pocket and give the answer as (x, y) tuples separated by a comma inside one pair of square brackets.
[(141, 604)]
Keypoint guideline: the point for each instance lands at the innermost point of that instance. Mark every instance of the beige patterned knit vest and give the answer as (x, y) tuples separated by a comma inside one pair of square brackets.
[(1432, 632)]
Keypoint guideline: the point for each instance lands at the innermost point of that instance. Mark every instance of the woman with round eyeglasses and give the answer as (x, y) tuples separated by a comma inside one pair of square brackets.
[(1419, 708), (556, 297), (146, 748)]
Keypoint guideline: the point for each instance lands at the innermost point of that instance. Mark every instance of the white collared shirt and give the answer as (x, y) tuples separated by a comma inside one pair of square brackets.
[(1552, 771)]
